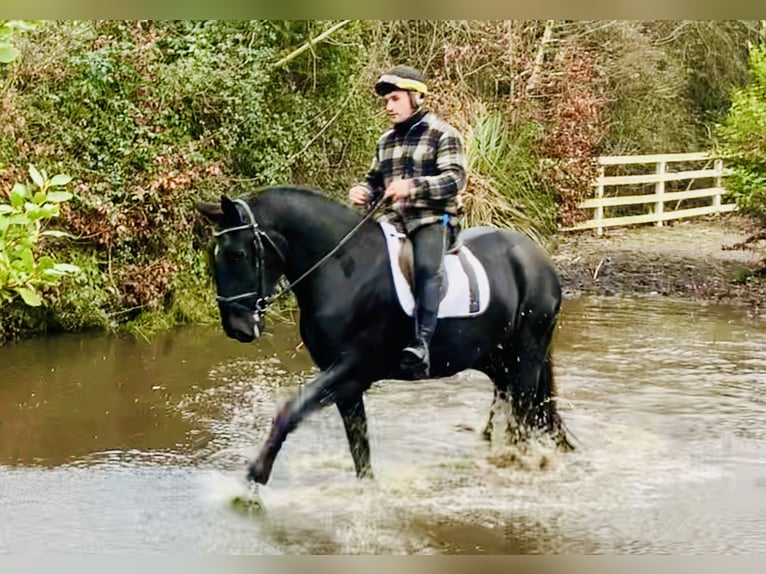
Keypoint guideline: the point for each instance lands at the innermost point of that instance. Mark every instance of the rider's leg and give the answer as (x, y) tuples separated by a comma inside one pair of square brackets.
[(428, 250)]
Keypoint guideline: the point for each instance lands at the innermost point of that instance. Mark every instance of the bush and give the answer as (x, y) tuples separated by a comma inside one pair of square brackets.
[(150, 116), (743, 139), (24, 272)]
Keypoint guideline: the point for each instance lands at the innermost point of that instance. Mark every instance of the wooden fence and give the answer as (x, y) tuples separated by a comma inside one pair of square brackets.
[(692, 180)]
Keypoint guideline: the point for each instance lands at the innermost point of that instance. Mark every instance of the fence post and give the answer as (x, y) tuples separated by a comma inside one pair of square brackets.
[(660, 191), (599, 213), (718, 174)]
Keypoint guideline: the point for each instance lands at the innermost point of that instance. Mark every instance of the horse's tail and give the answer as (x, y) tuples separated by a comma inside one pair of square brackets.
[(546, 398)]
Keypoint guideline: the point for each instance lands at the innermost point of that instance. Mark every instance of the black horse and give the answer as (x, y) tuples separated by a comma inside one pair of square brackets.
[(353, 325)]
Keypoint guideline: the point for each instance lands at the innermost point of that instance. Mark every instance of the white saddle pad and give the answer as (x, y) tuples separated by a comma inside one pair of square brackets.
[(456, 302)]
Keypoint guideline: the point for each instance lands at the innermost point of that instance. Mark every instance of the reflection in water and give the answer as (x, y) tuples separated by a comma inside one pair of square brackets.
[(119, 446), (68, 397)]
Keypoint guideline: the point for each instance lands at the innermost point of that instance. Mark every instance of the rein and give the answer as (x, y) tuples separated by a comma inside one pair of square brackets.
[(262, 302)]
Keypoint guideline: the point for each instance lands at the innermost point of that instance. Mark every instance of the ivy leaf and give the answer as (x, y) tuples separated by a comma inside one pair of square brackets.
[(60, 179), (35, 175), (30, 296)]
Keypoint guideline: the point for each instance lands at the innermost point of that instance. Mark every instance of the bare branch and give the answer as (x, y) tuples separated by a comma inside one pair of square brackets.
[(310, 43)]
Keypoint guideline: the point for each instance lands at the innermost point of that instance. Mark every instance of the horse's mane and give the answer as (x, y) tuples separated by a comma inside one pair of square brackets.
[(303, 198)]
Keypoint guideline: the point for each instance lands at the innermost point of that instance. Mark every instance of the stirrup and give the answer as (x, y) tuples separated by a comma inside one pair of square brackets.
[(415, 361)]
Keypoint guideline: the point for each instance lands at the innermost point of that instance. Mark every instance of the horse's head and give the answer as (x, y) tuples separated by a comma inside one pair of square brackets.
[(247, 265)]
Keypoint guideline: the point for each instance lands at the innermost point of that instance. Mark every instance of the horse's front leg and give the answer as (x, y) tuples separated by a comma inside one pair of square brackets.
[(355, 422), (320, 392)]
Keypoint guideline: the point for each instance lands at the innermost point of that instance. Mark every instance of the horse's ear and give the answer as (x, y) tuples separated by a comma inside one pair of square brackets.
[(230, 212), (210, 210)]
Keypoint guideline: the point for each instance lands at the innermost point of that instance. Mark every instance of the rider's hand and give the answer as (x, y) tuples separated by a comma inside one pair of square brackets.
[(357, 196), (398, 189)]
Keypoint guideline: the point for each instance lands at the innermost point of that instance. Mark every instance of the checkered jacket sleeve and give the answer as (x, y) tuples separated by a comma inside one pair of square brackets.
[(374, 181)]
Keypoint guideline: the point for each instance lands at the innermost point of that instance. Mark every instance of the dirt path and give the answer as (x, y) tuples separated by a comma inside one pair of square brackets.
[(687, 258)]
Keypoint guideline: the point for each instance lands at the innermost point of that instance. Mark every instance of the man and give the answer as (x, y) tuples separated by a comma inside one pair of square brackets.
[(419, 165)]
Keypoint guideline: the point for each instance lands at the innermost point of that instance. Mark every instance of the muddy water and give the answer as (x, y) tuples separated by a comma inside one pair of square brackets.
[(116, 446)]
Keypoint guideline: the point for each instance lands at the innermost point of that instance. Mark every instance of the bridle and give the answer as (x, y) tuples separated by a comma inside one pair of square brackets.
[(262, 301)]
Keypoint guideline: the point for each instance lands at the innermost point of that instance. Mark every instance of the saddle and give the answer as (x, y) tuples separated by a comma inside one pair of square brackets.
[(465, 287)]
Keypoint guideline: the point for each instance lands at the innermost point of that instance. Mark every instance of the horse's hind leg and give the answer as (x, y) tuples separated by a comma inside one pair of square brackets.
[(355, 423), (521, 370), (499, 398), (503, 368)]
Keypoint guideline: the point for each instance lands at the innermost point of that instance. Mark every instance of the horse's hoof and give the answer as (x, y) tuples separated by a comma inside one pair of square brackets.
[(365, 474), (258, 472), (415, 372), (564, 445)]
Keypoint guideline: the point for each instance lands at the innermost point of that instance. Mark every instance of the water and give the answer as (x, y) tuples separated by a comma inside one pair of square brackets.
[(116, 446)]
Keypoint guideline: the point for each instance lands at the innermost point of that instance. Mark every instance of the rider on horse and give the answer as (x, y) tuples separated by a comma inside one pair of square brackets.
[(420, 166)]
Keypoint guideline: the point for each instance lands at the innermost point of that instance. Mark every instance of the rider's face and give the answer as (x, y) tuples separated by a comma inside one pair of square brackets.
[(398, 106)]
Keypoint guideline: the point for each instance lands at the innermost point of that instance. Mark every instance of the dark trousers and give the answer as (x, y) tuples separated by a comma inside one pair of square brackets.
[(428, 245)]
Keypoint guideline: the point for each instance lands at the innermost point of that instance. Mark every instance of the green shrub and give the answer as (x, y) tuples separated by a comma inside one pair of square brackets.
[(24, 271), (743, 139)]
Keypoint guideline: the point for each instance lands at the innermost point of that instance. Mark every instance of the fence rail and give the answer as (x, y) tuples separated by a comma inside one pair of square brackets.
[(649, 189)]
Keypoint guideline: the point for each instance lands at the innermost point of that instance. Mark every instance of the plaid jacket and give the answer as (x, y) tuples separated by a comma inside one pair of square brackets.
[(431, 155)]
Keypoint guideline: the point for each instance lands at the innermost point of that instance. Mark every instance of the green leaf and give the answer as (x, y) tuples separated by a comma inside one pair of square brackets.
[(8, 54), (30, 296), (59, 196), (66, 267), (18, 219), (27, 259), (34, 211), (53, 273), (45, 262), (5, 209), (60, 179), (56, 233), (38, 197), (18, 194), (50, 210), (35, 175)]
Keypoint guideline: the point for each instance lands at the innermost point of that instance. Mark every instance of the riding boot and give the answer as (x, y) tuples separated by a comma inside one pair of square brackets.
[(416, 360)]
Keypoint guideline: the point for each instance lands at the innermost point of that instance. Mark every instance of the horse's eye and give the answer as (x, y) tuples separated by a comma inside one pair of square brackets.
[(236, 255)]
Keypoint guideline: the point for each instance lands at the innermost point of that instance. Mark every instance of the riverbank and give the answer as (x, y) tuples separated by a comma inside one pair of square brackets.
[(692, 259)]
